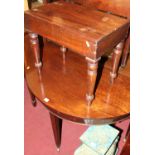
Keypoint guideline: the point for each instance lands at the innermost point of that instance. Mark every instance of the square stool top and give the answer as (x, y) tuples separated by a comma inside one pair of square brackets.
[(87, 31)]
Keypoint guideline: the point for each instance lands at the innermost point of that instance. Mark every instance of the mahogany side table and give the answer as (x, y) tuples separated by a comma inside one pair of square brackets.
[(58, 87), (85, 31)]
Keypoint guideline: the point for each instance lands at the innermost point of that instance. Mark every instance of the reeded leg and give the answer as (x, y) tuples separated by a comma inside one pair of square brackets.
[(56, 126), (91, 79), (36, 50), (116, 59), (125, 52), (63, 50)]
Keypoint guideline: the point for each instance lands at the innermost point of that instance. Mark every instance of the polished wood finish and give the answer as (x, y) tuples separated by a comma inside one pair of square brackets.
[(61, 88), (57, 127), (88, 32), (116, 59), (61, 85), (35, 48), (118, 7), (91, 81)]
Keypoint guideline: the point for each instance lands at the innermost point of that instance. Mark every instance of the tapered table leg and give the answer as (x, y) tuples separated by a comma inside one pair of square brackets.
[(125, 52), (57, 128), (35, 47), (116, 59), (91, 78)]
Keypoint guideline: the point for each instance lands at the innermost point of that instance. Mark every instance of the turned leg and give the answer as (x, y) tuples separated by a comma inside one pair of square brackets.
[(56, 126), (116, 59), (125, 52), (36, 50), (91, 78), (63, 50)]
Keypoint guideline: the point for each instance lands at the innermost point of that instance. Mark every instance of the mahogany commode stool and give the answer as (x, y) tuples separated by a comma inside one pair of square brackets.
[(85, 31)]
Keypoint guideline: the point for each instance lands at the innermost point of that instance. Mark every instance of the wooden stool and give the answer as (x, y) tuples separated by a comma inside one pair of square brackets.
[(86, 31)]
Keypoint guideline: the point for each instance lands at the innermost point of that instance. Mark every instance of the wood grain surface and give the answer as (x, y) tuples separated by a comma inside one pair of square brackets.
[(118, 7), (84, 30), (61, 87)]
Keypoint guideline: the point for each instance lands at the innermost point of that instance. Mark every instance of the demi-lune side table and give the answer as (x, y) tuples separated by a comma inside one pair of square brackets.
[(60, 89)]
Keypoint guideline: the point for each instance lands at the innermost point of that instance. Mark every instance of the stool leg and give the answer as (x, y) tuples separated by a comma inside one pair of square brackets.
[(57, 127), (125, 52), (116, 59), (91, 78), (36, 50), (63, 50)]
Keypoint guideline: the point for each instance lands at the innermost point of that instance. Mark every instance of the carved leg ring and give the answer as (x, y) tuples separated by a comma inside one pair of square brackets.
[(116, 60), (91, 75), (57, 127), (35, 46)]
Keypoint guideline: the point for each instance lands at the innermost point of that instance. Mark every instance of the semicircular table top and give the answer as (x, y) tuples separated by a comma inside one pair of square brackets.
[(61, 87)]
